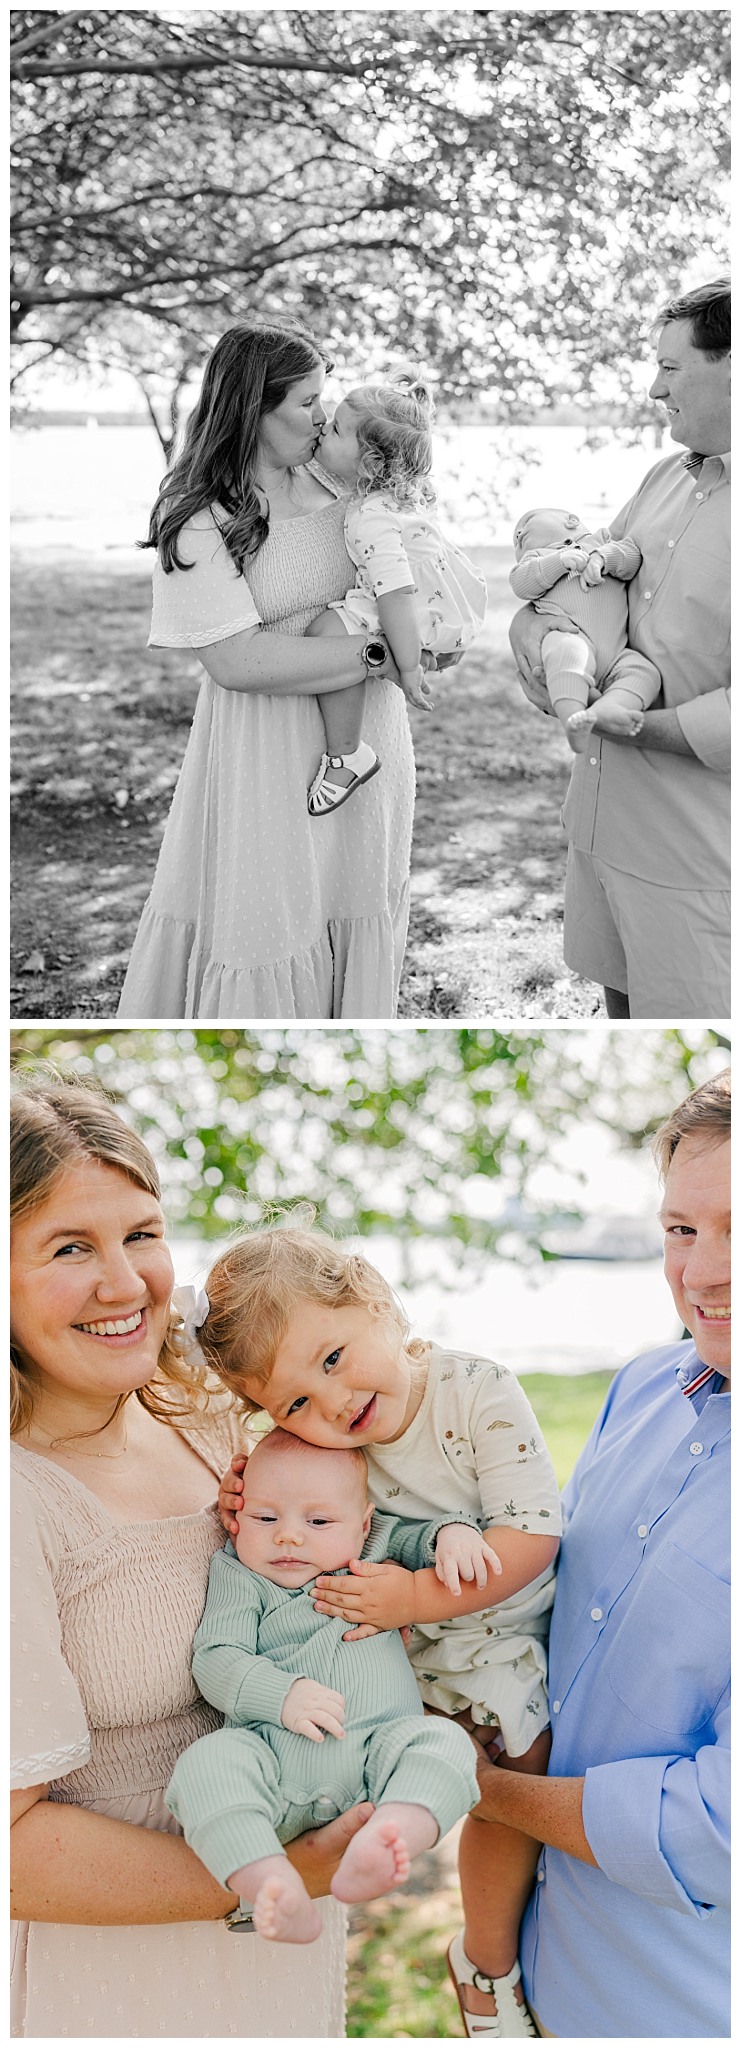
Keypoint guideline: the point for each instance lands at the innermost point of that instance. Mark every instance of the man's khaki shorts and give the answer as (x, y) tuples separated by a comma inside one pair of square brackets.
[(668, 950)]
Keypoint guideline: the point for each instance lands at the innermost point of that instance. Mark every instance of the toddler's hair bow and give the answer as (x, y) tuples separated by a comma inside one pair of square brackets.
[(193, 1305)]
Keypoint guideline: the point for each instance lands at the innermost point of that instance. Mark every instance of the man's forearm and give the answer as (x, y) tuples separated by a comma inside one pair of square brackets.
[(660, 732), (549, 1809)]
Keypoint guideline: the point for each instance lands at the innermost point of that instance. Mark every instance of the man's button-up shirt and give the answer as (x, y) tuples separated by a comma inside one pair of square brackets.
[(666, 817), (640, 1945)]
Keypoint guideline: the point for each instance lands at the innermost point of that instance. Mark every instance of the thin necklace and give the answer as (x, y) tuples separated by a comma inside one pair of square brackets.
[(52, 1443)]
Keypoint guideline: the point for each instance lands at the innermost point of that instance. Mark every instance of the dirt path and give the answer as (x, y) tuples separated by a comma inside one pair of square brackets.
[(100, 732)]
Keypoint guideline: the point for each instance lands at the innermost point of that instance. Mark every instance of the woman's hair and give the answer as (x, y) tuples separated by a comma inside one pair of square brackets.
[(56, 1124), (705, 1113), (249, 373), (258, 1285), (394, 439)]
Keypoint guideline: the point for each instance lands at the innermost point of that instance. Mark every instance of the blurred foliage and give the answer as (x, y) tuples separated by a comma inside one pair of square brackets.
[(417, 1132), (506, 196)]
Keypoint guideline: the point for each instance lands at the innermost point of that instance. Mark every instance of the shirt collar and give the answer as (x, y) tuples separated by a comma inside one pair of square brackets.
[(694, 462), (695, 1379)]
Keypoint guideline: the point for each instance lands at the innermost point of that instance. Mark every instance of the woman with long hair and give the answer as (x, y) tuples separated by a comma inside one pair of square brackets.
[(256, 911), (118, 1442)]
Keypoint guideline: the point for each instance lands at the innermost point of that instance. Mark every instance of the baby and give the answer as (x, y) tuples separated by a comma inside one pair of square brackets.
[(313, 1723), (566, 571), (411, 585)]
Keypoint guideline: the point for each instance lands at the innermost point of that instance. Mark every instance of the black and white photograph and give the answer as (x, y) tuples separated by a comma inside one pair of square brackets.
[(400, 328)]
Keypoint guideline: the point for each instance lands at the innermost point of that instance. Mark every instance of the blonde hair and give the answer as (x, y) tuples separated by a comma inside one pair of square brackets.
[(56, 1123), (262, 1280), (394, 439), (280, 1441), (706, 1112)]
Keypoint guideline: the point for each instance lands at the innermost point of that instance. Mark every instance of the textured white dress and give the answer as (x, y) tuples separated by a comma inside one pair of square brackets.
[(258, 910), (103, 1702)]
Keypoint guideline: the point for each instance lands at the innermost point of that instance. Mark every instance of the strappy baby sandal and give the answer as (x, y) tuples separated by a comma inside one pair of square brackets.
[(510, 2019), (326, 795)]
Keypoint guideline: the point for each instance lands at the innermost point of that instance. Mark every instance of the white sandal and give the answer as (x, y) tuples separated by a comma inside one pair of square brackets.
[(326, 795), (510, 2018)]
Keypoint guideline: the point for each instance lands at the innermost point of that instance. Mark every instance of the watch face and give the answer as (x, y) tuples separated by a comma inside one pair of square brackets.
[(375, 653)]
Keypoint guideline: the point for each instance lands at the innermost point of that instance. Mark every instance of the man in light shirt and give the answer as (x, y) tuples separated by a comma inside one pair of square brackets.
[(628, 1931), (647, 907)]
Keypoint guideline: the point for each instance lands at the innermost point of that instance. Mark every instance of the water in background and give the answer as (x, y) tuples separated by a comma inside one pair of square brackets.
[(579, 1316), (93, 487)]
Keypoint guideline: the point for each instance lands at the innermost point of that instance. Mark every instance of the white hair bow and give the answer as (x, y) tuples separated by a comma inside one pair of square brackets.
[(193, 1305)]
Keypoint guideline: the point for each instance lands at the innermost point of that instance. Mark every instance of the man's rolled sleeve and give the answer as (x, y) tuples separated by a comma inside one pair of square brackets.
[(659, 1826), (706, 724)]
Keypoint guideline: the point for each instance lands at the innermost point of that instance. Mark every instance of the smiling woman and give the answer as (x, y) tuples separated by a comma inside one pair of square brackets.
[(117, 1446), (252, 912)]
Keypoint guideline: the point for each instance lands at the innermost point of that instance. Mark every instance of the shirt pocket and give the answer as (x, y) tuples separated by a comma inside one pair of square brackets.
[(670, 1658)]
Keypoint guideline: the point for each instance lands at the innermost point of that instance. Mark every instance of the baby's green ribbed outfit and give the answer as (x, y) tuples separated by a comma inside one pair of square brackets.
[(243, 1791)]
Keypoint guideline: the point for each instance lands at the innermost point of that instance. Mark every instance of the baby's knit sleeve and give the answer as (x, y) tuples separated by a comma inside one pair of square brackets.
[(536, 572), (374, 537), (49, 1730), (206, 602), (227, 1666), (517, 1482)]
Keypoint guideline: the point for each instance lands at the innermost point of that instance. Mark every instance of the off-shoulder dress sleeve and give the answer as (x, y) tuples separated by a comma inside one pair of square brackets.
[(49, 1731), (206, 602)]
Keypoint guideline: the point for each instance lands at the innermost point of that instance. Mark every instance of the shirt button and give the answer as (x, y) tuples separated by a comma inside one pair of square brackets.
[(670, 543), (556, 1706), (643, 1529), (596, 1614), (696, 1449), (646, 593), (592, 760), (541, 1877), (699, 494)]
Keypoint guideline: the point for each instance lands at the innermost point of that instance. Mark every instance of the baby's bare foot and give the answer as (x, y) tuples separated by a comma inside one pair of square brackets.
[(283, 1910), (607, 717), (375, 1862)]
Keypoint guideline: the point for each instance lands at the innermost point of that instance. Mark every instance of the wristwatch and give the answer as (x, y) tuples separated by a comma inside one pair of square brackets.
[(375, 654), (240, 1920)]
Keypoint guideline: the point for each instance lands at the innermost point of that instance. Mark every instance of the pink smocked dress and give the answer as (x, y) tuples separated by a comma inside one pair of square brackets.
[(258, 910)]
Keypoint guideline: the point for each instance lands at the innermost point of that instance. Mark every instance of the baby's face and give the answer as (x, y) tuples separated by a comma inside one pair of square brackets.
[(302, 1515)]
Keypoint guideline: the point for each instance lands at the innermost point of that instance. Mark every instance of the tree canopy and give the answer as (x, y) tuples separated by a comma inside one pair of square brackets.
[(508, 196), (381, 1130)]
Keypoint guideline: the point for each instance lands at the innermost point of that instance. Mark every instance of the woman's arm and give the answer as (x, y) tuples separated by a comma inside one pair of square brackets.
[(81, 1868), (284, 665)]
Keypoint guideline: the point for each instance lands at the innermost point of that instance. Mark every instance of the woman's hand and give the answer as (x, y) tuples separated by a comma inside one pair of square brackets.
[(231, 1494), (462, 1553), (316, 1855), (379, 1594)]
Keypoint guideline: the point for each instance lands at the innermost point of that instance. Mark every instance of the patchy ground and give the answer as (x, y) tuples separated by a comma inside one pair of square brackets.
[(100, 732)]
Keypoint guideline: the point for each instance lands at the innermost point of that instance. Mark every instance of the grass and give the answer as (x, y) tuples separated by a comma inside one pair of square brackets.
[(99, 736), (398, 1986)]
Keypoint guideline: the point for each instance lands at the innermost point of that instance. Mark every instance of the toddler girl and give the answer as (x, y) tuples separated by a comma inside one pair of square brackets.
[(571, 573), (412, 585), (310, 1333)]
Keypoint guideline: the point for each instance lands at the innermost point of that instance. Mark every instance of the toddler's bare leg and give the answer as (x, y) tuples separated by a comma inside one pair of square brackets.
[(281, 1907), (342, 710), (379, 1857), (497, 1865), (569, 668)]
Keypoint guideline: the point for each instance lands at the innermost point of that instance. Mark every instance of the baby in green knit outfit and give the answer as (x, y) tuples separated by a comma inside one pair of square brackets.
[(312, 1722)]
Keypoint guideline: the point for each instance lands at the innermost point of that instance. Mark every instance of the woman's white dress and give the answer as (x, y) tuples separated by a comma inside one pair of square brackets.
[(103, 1701), (258, 910)]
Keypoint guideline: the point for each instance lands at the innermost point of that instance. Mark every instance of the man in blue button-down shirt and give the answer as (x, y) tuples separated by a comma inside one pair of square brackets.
[(627, 1931)]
